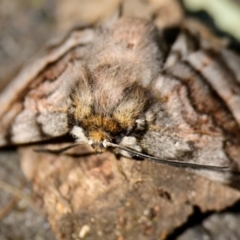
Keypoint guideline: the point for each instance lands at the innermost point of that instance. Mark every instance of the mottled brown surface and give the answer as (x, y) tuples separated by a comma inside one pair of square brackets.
[(116, 199)]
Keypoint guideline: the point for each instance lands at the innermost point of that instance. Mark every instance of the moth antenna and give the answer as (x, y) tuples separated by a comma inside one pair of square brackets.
[(57, 151), (171, 162)]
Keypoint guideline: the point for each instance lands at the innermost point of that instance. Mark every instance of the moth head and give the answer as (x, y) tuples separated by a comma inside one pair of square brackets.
[(107, 110), (102, 131), (99, 131)]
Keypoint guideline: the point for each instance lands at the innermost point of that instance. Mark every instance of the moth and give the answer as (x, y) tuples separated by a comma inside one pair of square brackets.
[(168, 96)]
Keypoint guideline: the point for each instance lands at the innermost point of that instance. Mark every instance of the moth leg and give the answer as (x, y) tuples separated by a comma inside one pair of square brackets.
[(55, 151)]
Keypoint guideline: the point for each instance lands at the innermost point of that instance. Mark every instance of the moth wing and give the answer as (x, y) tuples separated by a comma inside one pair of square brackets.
[(34, 105), (200, 86), (207, 72)]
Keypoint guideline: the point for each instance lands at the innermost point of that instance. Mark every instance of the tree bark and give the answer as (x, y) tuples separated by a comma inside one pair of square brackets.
[(102, 197)]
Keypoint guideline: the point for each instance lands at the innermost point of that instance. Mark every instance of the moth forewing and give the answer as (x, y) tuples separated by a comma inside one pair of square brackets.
[(34, 105), (223, 81)]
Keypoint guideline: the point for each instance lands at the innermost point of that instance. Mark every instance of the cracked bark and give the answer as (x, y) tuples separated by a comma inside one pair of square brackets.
[(118, 198)]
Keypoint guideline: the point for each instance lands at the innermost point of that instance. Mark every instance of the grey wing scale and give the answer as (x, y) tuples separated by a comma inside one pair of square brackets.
[(34, 105), (202, 89)]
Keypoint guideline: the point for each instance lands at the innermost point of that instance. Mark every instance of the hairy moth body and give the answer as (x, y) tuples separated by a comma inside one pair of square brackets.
[(127, 85)]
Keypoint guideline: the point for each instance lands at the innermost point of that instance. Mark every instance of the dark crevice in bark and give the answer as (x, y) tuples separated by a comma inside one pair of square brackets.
[(195, 219)]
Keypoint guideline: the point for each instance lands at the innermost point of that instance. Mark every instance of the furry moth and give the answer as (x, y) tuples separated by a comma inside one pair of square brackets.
[(127, 87)]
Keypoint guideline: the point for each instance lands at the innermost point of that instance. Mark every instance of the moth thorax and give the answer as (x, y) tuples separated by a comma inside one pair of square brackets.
[(97, 137)]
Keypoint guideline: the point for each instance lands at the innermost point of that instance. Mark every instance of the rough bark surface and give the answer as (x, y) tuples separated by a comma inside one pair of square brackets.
[(102, 197)]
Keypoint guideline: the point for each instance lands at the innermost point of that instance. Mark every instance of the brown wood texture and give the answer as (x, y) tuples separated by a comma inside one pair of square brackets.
[(100, 196), (118, 198)]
